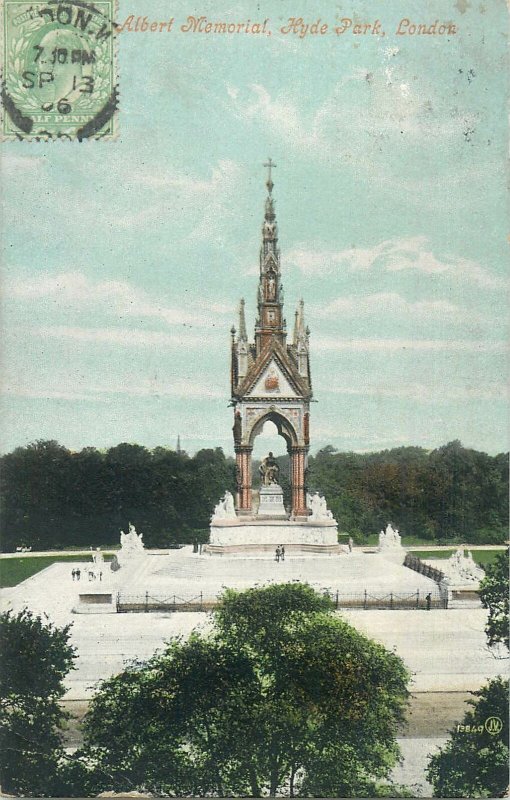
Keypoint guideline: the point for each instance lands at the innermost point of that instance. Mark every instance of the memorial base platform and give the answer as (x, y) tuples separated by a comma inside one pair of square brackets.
[(251, 535)]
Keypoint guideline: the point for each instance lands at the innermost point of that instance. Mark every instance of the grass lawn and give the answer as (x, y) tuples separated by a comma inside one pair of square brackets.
[(15, 570), (482, 557), (103, 547), (407, 541)]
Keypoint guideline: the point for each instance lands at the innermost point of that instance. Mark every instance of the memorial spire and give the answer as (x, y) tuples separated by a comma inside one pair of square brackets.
[(270, 322), (270, 377)]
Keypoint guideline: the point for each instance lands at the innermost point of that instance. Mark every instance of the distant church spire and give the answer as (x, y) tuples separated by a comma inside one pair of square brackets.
[(270, 322), (178, 449)]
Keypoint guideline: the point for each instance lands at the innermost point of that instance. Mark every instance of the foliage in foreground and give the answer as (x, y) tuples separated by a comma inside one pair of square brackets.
[(474, 762), (281, 696), (35, 657), (494, 591)]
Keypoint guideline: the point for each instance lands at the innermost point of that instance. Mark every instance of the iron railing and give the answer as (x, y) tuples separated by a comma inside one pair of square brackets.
[(147, 601), (428, 600), (144, 602), (415, 563)]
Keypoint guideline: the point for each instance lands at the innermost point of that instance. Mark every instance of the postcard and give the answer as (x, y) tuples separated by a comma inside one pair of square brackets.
[(255, 417)]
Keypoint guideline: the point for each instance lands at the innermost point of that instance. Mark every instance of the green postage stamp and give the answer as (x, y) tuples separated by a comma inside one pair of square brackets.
[(59, 70)]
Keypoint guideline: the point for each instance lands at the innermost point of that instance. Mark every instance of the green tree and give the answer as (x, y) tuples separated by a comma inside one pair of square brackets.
[(281, 696), (212, 475), (36, 657), (474, 762), (494, 590), (35, 494), (332, 698)]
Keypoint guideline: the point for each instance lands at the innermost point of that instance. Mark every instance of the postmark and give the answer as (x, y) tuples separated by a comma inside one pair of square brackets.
[(59, 70)]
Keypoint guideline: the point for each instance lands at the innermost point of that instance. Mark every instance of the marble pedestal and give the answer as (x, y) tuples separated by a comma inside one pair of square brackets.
[(271, 502)]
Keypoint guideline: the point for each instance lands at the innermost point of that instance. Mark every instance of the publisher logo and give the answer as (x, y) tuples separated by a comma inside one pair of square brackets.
[(493, 725)]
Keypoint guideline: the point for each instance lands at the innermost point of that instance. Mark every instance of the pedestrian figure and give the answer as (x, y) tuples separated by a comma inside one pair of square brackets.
[(195, 546), (100, 576), (282, 552), (277, 554), (78, 574), (351, 542), (428, 600), (73, 573)]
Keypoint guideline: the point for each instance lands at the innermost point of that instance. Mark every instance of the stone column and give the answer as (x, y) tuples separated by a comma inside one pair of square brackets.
[(243, 470), (297, 473)]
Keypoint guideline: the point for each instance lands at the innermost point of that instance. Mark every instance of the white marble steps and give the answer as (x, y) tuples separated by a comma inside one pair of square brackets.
[(185, 573)]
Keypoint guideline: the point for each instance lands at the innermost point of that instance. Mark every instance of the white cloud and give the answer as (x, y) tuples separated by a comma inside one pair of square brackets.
[(209, 203), (392, 255), (387, 107), (314, 261), (124, 337), (117, 298), (155, 387), (177, 387), (110, 387), (394, 305), (281, 116), (401, 345), (425, 393), (329, 433), (40, 393)]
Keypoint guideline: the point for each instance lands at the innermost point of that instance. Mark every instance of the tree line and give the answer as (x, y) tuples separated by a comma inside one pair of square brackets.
[(449, 494), (52, 497)]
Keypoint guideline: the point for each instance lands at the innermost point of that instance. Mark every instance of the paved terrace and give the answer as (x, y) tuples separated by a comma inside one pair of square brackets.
[(445, 649)]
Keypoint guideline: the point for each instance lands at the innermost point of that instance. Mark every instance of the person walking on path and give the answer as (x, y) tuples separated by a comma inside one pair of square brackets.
[(277, 554), (282, 552), (78, 574), (428, 600)]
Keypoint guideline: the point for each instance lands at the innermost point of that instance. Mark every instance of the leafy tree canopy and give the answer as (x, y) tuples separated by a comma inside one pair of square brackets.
[(474, 762), (36, 657), (280, 697), (494, 591)]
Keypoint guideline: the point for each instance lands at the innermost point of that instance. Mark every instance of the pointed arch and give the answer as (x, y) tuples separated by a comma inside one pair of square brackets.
[(284, 427)]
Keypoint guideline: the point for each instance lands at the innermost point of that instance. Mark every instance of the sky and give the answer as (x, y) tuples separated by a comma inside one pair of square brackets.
[(124, 262)]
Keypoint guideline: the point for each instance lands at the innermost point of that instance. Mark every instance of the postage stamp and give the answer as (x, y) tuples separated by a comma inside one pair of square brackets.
[(59, 70)]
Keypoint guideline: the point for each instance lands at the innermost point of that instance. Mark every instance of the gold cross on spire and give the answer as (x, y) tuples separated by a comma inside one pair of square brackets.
[(270, 165)]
